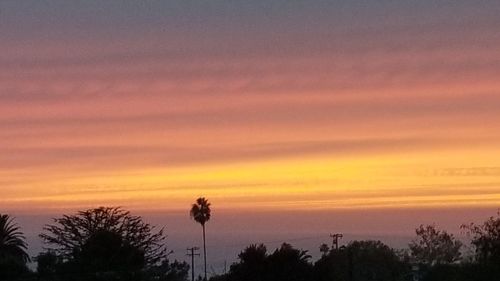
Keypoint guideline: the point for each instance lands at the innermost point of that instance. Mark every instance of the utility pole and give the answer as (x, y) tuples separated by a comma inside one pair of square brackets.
[(192, 252), (335, 241)]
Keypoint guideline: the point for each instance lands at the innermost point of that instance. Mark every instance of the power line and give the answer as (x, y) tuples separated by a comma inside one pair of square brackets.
[(279, 241), (243, 244), (191, 252)]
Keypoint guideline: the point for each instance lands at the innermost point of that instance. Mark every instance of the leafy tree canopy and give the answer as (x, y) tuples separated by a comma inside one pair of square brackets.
[(486, 240), (12, 241), (13, 256), (255, 264), (362, 261), (104, 233), (200, 211), (433, 246)]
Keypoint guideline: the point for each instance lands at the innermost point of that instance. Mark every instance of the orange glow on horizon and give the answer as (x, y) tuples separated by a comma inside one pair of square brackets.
[(386, 113), (420, 179)]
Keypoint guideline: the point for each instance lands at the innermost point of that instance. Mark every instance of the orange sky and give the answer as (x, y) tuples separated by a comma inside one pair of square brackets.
[(393, 114)]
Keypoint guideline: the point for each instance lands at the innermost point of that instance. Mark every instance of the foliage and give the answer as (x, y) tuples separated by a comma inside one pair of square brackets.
[(12, 241), (332, 266), (361, 260), (255, 264), (166, 271), (290, 264), (109, 244), (324, 249), (434, 246), (106, 251), (373, 260), (486, 240), (200, 211), (12, 269), (13, 256), (47, 265), (462, 272), (51, 267), (72, 236)]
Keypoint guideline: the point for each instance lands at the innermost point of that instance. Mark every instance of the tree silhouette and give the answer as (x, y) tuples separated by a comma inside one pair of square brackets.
[(373, 260), (434, 246), (333, 265), (200, 212), (252, 265), (168, 271), (486, 240), (105, 239), (284, 264), (13, 256), (361, 261), (289, 264), (324, 249), (106, 251), (12, 241), (47, 265)]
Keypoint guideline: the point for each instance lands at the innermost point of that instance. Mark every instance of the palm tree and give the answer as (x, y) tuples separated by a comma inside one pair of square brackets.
[(200, 212), (12, 242)]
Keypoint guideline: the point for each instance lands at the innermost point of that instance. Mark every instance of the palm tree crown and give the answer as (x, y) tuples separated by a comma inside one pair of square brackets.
[(200, 211), (12, 241)]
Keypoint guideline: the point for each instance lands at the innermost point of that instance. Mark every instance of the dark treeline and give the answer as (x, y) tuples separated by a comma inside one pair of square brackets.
[(98, 244), (112, 244)]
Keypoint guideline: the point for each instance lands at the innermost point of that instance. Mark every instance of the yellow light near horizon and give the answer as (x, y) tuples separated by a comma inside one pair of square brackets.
[(414, 179)]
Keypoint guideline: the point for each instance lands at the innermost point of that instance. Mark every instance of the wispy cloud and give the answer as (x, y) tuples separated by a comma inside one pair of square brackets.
[(101, 99)]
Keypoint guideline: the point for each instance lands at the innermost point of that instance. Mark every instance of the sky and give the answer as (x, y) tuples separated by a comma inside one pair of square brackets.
[(388, 108)]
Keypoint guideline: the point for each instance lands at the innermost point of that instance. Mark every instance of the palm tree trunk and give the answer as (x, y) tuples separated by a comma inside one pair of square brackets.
[(204, 252)]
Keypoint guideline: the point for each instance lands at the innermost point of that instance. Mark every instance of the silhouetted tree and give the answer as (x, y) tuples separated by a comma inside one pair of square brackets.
[(486, 240), (13, 256), (461, 272), (107, 243), (433, 246), (200, 212), (106, 251), (166, 271), (373, 260), (332, 266), (360, 261), (252, 265), (324, 249), (284, 264), (12, 240), (290, 264), (47, 265), (442, 272)]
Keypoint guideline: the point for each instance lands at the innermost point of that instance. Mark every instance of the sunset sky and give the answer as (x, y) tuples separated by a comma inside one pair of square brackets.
[(263, 105)]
